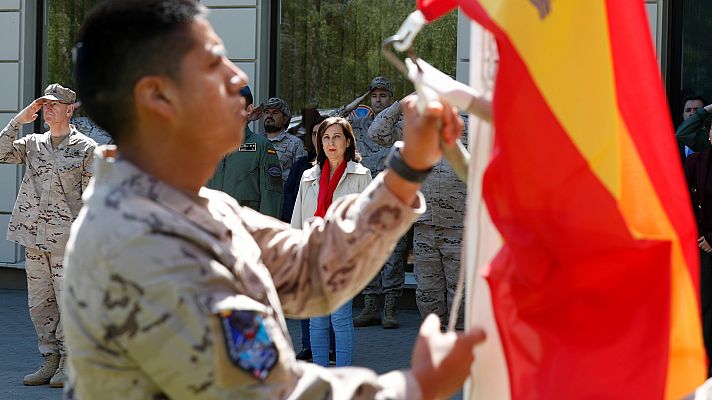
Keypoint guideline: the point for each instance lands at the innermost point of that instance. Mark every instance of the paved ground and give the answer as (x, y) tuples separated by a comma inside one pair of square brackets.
[(377, 348)]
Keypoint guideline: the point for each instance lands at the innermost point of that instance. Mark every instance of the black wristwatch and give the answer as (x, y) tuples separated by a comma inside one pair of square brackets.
[(395, 163)]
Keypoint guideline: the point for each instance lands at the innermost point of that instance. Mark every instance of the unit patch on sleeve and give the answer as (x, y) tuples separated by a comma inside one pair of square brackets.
[(247, 341)]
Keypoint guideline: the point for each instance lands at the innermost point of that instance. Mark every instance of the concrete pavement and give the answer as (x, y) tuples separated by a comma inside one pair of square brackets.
[(376, 348)]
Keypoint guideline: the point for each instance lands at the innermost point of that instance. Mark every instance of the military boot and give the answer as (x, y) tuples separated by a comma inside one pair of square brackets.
[(389, 312), (59, 377), (370, 315), (43, 375)]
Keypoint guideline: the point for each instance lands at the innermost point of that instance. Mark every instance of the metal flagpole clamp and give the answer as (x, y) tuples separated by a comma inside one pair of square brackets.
[(456, 154)]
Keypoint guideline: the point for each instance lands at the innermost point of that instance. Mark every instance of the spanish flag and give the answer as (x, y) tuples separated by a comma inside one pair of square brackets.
[(595, 289)]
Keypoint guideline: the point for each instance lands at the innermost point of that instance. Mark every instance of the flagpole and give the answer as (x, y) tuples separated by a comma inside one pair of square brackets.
[(481, 241)]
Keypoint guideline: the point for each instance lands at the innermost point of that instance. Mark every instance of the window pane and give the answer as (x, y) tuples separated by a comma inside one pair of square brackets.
[(696, 49), (331, 49), (64, 17)]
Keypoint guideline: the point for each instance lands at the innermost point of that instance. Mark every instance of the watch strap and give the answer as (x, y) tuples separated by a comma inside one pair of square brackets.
[(396, 164)]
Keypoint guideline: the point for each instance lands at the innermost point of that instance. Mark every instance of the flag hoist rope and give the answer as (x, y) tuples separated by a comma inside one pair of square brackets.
[(432, 84)]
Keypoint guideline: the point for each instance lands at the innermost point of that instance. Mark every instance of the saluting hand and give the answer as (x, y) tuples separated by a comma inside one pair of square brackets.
[(29, 113)]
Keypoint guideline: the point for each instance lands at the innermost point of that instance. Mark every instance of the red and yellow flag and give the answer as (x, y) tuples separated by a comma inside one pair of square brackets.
[(595, 290)]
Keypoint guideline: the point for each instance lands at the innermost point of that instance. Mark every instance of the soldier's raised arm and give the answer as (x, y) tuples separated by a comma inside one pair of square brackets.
[(13, 150), (693, 132), (387, 127)]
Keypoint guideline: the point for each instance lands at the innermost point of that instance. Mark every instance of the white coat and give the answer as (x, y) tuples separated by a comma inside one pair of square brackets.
[(354, 180)]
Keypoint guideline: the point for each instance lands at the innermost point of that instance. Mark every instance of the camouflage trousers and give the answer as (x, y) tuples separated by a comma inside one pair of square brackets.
[(44, 289), (392, 274), (436, 252)]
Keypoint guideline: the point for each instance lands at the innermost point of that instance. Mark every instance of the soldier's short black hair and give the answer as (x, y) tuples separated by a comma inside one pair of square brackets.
[(692, 97), (122, 41)]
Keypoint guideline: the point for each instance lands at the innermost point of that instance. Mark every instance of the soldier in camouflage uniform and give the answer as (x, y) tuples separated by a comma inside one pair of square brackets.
[(390, 279), (59, 165), (252, 174), (437, 238), (289, 148), (176, 291)]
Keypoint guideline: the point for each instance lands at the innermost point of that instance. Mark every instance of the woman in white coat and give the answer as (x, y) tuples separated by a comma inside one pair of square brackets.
[(337, 173)]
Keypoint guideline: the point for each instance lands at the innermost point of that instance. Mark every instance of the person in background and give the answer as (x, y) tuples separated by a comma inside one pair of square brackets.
[(437, 236), (276, 116), (59, 165), (690, 105), (693, 132), (390, 279), (252, 174), (291, 186), (337, 173), (291, 189)]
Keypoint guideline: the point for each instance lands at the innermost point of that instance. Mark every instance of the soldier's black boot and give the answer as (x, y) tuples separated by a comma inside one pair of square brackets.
[(389, 320), (370, 315)]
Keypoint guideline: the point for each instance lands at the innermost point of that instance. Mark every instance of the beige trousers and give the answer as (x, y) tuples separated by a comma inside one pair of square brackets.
[(44, 290)]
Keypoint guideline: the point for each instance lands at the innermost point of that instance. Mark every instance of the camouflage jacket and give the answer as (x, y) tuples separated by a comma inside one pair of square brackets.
[(152, 289), (444, 192), (51, 191), (289, 149)]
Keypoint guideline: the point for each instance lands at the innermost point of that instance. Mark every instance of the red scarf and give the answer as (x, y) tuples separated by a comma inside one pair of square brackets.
[(328, 186)]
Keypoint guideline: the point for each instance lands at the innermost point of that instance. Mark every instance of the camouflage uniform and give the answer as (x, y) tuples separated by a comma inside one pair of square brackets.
[(373, 156), (159, 271), (49, 200), (252, 176), (289, 149), (438, 232)]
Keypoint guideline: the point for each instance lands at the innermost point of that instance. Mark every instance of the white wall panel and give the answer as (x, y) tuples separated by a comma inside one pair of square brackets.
[(249, 69), (9, 86), (9, 4), (238, 29), (10, 34)]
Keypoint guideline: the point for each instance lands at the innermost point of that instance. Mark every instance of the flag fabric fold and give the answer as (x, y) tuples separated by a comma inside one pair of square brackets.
[(595, 290)]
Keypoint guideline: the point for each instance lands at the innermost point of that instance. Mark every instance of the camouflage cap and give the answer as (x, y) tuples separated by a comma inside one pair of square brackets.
[(60, 93), (381, 82), (279, 104)]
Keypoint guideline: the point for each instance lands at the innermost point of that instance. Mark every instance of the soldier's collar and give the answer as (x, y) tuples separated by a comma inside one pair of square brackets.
[(279, 137), (202, 209)]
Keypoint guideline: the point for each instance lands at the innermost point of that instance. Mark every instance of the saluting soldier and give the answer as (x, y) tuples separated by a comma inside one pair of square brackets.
[(58, 167), (252, 175), (175, 290), (437, 236), (389, 281)]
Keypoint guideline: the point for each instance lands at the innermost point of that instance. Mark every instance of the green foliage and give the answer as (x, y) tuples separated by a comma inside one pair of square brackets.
[(64, 17), (331, 49)]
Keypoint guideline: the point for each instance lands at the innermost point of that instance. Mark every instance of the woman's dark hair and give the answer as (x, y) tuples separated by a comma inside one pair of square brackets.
[(120, 42), (351, 153)]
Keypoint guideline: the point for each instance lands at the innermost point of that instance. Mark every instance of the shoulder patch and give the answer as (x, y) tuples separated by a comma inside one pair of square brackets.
[(248, 147), (274, 170), (272, 151), (248, 344)]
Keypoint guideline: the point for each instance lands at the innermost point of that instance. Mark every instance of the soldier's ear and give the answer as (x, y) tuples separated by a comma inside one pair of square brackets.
[(155, 95)]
